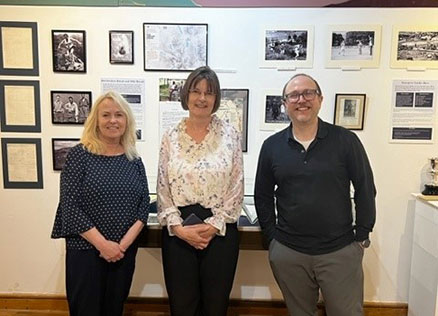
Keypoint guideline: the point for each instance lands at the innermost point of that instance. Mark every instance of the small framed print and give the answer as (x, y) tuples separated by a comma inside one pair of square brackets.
[(414, 47), (350, 111), (69, 51), (121, 47), (22, 164), (19, 48), (274, 113), (174, 47), (234, 110), (353, 46), (285, 47), (70, 107), (20, 106), (60, 149)]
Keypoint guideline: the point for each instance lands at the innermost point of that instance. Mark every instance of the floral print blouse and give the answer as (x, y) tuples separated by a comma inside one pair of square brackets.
[(209, 173)]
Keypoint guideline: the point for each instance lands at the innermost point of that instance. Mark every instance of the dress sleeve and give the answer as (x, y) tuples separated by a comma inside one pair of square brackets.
[(231, 206), (143, 207), (70, 218), (167, 213)]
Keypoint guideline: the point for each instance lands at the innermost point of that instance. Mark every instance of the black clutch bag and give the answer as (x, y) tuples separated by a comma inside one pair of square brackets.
[(192, 219)]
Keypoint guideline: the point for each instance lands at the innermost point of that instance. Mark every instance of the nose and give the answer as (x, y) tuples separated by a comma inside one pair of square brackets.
[(203, 96), (301, 98)]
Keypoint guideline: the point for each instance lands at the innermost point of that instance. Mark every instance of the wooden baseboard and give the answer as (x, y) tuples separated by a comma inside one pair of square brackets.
[(30, 304)]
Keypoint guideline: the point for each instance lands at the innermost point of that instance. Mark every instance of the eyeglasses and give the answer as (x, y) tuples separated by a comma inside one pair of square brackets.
[(198, 93), (308, 95)]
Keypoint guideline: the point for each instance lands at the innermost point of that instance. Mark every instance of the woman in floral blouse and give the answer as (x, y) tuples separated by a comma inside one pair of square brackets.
[(200, 172)]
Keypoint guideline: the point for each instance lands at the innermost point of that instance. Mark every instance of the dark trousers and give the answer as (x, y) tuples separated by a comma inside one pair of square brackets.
[(96, 287), (199, 282)]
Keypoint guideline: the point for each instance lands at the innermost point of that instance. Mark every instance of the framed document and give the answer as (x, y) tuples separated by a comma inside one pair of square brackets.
[(69, 51), (60, 149), (19, 49), (353, 46), (22, 166), (350, 110), (20, 106), (274, 112), (234, 110), (414, 47), (285, 47), (121, 47), (70, 107), (174, 47)]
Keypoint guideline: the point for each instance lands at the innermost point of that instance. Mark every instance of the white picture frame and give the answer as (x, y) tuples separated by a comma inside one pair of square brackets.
[(353, 46), (286, 47)]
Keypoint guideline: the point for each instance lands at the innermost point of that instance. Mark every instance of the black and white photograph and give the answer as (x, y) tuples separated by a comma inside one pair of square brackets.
[(174, 47), (121, 47), (170, 89), (287, 47), (353, 46), (349, 110), (69, 51), (60, 149), (70, 107), (275, 113), (414, 47)]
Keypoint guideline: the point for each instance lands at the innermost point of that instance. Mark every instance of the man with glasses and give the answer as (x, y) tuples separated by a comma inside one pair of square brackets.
[(302, 198)]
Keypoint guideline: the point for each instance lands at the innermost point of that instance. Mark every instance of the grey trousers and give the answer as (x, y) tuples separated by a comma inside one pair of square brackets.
[(338, 275)]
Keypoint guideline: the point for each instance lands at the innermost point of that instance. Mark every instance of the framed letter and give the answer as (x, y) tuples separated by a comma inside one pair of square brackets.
[(22, 167), (349, 110), (19, 49)]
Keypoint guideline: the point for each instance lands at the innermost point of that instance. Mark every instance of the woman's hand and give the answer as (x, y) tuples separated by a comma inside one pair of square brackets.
[(111, 251), (210, 233), (194, 235)]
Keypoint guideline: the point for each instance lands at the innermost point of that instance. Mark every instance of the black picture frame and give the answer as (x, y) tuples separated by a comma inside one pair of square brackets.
[(190, 37), (350, 110), (6, 126), (8, 183), (121, 47), (19, 43), (66, 112), (60, 149), (69, 51), (238, 98)]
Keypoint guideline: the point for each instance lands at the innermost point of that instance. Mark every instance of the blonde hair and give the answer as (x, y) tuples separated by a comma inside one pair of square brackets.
[(90, 136)]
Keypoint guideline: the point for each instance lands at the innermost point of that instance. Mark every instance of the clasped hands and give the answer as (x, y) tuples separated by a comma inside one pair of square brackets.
[(112, 251), (198, 236)]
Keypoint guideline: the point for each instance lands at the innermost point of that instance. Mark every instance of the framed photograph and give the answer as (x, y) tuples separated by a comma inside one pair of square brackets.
[(19, 48), (274, 113), (234, 110), (174, 47), (69, 51), (60, 149), (414, 47), (121, 47), (20, 106), (22, 164), (170, 89), (353, 46), (287, 47), (70, 107), (350, 110)]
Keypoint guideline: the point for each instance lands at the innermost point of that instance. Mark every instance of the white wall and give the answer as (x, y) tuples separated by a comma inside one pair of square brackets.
[(33, 263)]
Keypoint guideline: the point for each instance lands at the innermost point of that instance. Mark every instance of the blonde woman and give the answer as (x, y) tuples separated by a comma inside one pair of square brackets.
[(103, 206)]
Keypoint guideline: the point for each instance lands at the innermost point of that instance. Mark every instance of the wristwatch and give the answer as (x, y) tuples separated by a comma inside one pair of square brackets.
[(365, 243)]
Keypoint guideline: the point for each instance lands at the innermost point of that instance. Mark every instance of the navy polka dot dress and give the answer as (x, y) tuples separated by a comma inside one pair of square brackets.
[(106, 192)]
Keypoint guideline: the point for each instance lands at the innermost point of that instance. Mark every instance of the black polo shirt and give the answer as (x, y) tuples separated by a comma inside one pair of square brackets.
[(311, 190)]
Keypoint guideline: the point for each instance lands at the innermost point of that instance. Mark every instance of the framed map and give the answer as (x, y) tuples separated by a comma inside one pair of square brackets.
[(234, 110), (174, 47)]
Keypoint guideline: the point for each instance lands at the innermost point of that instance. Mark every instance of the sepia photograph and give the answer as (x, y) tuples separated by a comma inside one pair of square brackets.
[(170, 89), (353, 46), (60, 149), (70, 107), (287, 47), (121, 47), (69, 51), (414, 47), (275, 114), (349, 111)]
